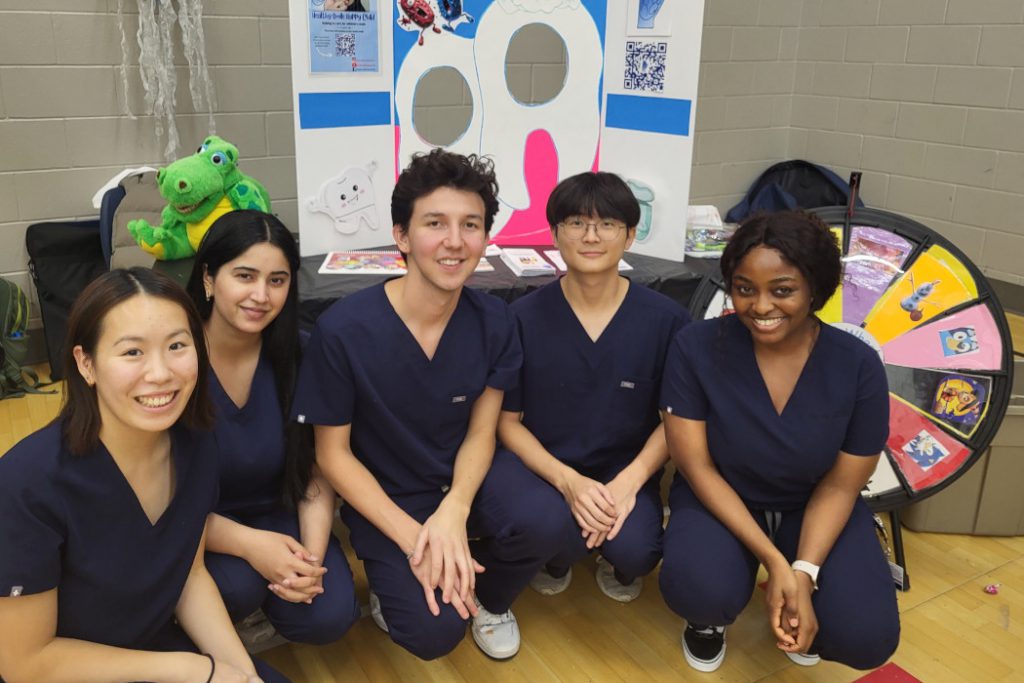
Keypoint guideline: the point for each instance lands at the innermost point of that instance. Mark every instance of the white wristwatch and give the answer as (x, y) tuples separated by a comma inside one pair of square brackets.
[(807, 568)]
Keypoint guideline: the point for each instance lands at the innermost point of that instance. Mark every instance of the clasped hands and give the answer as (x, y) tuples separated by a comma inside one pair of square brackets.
[(790, 611), (441, 559), (295, 574), (599, 509)]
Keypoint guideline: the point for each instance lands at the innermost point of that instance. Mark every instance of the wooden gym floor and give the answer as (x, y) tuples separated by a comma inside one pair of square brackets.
[(953, 631)]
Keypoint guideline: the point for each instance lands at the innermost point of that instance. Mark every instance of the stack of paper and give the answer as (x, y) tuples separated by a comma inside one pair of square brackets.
[(526, 262)]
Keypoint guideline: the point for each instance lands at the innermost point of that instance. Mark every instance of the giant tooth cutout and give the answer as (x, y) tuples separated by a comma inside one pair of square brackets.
[(572, 119)]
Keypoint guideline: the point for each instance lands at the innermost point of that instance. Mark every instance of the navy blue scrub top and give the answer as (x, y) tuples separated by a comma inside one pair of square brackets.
[(252, 446), (774, 461), (74, 523), (593, 405), (409, 415)]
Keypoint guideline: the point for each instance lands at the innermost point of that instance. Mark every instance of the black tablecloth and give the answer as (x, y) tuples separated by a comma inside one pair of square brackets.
[(676, 280)]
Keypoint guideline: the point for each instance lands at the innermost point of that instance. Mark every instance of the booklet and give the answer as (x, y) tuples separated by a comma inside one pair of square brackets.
[(526, 262), (390, 262), (555, 257)]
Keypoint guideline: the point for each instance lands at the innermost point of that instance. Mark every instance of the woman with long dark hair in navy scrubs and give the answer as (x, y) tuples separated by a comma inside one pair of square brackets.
[(103, 512), (775, 422), (261, 552)]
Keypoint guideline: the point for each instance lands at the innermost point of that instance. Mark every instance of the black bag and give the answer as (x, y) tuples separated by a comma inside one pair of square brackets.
[(790, 185), (63, 259)]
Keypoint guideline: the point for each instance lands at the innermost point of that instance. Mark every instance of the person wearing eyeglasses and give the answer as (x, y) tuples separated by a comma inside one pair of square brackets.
[(585, 415)]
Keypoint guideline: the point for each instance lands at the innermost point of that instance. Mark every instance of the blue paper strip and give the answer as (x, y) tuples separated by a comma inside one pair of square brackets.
[(649, 114), (344, 109)]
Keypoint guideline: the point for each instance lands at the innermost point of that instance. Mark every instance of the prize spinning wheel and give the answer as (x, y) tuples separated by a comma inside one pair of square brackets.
[(930, 314)]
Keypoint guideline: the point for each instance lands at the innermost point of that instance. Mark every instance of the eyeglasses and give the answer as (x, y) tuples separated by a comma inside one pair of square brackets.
[(575, 228)]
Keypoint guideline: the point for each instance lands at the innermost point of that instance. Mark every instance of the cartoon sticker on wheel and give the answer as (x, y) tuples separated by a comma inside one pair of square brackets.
[(959, 341), (959, 400)]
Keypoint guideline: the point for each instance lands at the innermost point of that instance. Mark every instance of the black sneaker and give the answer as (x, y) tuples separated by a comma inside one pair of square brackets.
[(704, 647)]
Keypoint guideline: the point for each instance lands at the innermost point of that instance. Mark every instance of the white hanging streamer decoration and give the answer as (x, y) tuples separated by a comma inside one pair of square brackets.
[(190, 18), (156, 63)]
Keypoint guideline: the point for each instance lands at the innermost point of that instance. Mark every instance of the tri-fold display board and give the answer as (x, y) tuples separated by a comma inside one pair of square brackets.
[(626, 105), (942, 334)]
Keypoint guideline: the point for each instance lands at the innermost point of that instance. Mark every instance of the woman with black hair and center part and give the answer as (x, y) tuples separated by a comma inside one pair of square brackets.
[(103, 511), (775, 422), (262, 552)]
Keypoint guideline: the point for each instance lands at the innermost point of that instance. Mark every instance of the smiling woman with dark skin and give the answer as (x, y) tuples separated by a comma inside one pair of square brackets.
[(775, 422)]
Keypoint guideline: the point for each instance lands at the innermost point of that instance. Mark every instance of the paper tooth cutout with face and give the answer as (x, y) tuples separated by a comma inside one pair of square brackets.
[(418, 15), (647, 12), (348, 199), (452, 13)]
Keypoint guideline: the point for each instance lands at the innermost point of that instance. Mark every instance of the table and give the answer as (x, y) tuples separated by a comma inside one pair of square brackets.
[(678, 281)]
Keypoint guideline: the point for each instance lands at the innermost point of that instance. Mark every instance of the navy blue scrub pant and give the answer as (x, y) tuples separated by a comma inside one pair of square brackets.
[(515, 524), (323, 621), (635, 550), (708, 578)]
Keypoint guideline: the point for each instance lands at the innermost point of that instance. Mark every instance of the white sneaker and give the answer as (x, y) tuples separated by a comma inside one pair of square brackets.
[(803, 659), (496, 634), (545, 584), (378, 618), (610, 585), (257, 633)]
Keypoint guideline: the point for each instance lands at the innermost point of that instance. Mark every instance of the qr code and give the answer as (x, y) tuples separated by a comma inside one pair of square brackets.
[(345, 45), (645, 66)]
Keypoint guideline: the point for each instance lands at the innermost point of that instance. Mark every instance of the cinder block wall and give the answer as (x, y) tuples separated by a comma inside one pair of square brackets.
[(925, 96), (745, 95), (63, 131)]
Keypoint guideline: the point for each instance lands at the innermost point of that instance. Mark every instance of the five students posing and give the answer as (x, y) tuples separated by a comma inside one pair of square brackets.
[(774, 422)]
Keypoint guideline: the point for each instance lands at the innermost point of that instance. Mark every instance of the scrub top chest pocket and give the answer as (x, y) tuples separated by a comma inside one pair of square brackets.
[(633, 401)]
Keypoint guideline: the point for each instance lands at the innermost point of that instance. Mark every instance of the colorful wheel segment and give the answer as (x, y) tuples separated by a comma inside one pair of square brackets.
[(933, 318)]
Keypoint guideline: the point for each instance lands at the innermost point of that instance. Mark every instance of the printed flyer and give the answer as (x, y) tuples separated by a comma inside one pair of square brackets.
[(343, 36)]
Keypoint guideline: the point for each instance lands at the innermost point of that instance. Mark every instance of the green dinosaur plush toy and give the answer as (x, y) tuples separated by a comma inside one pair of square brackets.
[(199, 189)]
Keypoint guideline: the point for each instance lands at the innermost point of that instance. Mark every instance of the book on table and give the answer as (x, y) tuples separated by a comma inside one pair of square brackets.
[(526, 262)]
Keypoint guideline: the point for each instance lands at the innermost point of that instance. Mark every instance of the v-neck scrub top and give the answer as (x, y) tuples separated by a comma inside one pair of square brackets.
[(75, 524), (773, 461), (252, 446), (409, 414), (592, 404)]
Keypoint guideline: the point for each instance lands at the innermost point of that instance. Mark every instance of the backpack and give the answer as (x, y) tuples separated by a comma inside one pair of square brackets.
[(13, 343), (790, 185)]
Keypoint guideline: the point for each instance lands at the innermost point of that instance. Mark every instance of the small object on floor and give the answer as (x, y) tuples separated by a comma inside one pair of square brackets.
[(258, 634), (545, 584), (496, 634), (612, 587), (803, 659), (704, 647), (890, 673), (992, 588), (375, 614)]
